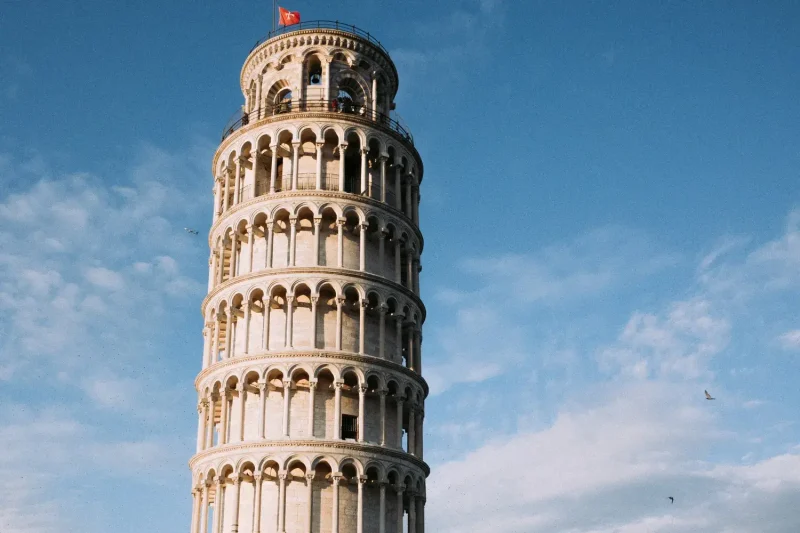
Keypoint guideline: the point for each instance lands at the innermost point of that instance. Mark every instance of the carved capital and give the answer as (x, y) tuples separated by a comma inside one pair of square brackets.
[(362, 479), (337, 477), (313, 384), (362, 390), (283, 475)]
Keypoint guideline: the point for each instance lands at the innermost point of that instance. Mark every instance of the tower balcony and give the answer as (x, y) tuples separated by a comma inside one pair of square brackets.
[(337, 107)]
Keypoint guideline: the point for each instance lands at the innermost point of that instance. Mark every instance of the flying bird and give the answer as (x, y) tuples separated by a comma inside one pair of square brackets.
[(192, 231), (708, 396), (671, 499)]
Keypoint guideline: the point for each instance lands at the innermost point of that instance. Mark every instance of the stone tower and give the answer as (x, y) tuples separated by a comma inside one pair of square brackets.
[(311, 394)]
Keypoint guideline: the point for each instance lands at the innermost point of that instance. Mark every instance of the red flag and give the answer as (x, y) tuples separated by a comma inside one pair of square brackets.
[(289, 17)]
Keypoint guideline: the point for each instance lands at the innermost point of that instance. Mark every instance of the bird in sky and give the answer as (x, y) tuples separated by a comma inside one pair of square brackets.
[(708, 396), (671, 499), (192, 231)]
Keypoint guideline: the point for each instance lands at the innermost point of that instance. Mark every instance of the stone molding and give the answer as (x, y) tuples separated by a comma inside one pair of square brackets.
[(303, 354), (319, 446), (319, 272)]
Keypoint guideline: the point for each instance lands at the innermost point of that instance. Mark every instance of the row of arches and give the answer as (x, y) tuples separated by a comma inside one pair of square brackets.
[(313, 315), (322, 157), (308, 494), (308, 235), (305, 402)]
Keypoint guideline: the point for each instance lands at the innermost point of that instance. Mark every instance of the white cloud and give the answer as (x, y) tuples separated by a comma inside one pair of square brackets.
[(104, 278), (790, 340), (680, 343), (609, 467)]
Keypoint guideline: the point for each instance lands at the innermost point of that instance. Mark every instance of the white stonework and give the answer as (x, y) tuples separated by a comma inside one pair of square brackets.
[(311, 396)]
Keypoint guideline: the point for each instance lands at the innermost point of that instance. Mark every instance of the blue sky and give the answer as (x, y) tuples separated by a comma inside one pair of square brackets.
[(612, 220)]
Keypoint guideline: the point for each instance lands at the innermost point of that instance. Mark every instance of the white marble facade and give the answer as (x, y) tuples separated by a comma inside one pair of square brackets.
[(311, 396)]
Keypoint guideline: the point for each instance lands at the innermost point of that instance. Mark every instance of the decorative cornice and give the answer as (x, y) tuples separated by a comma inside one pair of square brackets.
[(317, 272), (300, 354), (315, 445)]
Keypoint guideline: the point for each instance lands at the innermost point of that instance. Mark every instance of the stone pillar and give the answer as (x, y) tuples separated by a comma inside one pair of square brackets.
[(412, 513), (412, 431), (364, 152), (340, 226), (382, 509), (339, 304), (289, 320), (242, 390), (362, 393), (317, 228), (219, 500), (342, 149), (320, 145), (287, 392), (310, 498), (202, 413), (292, 240), (337, 410), (398, 193), (313, 340), (410, 352), (382, 310), (398, 276), (223, 431), (360, 508), (374, 103), (257, 503), (226, 187), (336, 478), (270, 239), (217, 197), (263, 389), (382, 234), (295, 158), (362, 324), (409, 209), (255, 173), (274, 170), (210, 424), (399, 489), (382, 158), (214, 356), (282, 502), (265, 332), (418, 350), (420, 432), (399, 401), (202, 526), (410, 270), (221, 261), (229, 334), (237, 180), (237, 490), (398, 320), (247, 316), (382, 395), (362, 247), (312, 390), (250, 246), (258, 99)]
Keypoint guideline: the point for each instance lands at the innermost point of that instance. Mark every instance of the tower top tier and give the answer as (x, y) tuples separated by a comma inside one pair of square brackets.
[(300, 54)]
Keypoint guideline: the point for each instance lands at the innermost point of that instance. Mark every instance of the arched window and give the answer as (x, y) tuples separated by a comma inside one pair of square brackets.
[(314, 71), (284, 101)]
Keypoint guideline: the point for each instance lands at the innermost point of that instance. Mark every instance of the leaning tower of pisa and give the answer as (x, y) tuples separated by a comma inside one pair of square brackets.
[(311, 397)]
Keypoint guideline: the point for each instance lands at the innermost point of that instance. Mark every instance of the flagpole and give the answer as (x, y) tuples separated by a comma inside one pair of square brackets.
[(274, 2)]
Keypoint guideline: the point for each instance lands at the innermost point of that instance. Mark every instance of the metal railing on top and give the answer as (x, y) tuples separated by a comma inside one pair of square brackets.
[(322, 24), (336, 105)]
